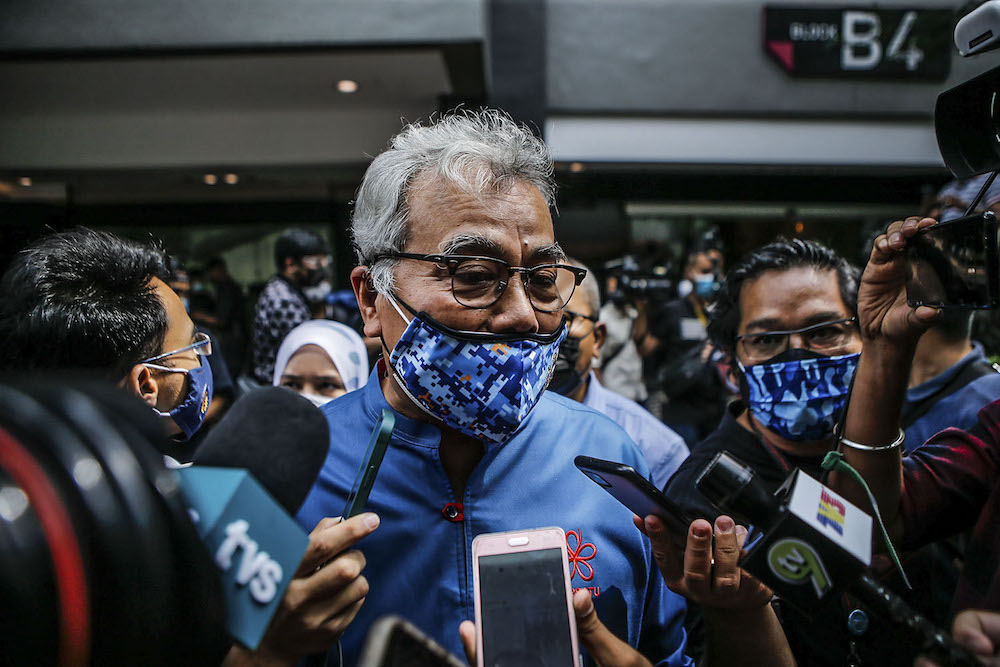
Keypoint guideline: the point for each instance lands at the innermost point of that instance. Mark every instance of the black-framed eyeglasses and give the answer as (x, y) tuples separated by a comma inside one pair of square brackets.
[(202, 346), (826, 337), (575, 323), (479, 282)]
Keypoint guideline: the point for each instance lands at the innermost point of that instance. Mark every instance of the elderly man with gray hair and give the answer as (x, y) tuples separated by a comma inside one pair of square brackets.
[(462, 280)]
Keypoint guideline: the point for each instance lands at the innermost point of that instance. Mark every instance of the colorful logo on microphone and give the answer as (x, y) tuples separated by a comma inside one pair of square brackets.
[(795, 562), (831, 512)]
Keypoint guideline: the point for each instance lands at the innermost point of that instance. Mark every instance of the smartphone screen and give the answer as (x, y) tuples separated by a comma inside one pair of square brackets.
[(953, 264), (525, 620)]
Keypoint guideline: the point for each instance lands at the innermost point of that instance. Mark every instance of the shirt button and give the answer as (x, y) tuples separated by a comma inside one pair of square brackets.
[(453, 512)]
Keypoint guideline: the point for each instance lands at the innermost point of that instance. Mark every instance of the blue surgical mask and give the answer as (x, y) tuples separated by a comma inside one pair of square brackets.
[(798, 394), (190, 412), (480, 384), (706, 287)]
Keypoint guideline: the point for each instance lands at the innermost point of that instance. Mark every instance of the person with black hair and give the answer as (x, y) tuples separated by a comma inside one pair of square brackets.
[(301, 258), (86, 299), (787, 316), (950, 380), (680, 363)]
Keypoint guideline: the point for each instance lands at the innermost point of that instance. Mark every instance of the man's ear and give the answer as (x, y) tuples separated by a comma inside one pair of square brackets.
[(141, 382), (364, 292), (600, 335)]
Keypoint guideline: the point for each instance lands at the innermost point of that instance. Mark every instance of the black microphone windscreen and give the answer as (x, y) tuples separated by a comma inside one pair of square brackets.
[(277, 435)]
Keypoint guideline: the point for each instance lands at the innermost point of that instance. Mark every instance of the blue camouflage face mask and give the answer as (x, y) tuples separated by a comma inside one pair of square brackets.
[(480, 384), (799, 394)]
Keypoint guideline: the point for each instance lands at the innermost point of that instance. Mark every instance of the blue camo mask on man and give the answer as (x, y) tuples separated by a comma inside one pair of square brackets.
[(800, 394), (480, 384)]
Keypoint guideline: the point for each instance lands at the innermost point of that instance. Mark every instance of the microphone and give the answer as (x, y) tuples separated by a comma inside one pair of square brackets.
[(807, 542), (248, 478)]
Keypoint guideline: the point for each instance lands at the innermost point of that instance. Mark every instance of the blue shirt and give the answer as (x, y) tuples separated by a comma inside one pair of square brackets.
[(419, 560), (663, 449), (959, 409)]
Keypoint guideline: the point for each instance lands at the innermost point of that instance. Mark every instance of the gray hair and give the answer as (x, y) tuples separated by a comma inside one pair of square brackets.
[(480, 152), (588, 288)]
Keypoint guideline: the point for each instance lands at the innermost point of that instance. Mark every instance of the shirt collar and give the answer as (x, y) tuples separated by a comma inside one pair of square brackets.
[(595, 398), (412, 430), (932, 386)]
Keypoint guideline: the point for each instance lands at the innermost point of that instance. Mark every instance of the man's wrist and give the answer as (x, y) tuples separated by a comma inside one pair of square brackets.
[(888, 355)]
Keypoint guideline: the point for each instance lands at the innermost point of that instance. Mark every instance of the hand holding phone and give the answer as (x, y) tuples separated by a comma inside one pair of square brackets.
[(955, 264), (636, 493), (524, 602)]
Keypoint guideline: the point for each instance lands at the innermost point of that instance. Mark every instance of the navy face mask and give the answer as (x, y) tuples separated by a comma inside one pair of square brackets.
[(190, 412), (800, 394), (565, 377)]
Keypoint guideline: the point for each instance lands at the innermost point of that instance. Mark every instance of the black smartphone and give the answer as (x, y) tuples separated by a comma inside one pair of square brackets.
[(394, 642), (955, 264), (365, 478), (636, 493)]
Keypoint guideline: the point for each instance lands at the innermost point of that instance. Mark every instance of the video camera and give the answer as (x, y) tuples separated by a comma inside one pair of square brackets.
[(99, 562), (956, 264), (633, 282)]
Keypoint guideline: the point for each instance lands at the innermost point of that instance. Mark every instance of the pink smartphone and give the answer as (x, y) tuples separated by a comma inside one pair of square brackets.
[(524, 602)]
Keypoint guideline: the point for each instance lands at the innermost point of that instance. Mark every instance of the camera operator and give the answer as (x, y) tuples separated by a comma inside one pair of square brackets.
[(629, 290), (950, 483), (679, 360)]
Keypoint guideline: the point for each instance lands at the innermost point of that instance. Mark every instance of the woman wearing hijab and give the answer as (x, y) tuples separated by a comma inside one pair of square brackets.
[(321, 360)]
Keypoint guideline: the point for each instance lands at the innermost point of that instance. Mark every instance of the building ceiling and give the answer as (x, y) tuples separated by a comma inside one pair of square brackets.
[(152, 127)]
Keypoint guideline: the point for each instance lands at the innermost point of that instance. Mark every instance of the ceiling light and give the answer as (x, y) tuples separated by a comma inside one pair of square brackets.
[(210, 179), (232, 179), (347, 86), (576, 167), (24, 182)]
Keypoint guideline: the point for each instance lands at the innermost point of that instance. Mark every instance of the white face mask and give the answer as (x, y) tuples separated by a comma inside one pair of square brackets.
[(316, 399)]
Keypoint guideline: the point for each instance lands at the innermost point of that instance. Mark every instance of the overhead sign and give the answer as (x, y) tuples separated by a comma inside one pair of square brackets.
[(860, 42)]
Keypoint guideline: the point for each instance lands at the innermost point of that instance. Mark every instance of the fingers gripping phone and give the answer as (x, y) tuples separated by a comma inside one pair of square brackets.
[(636, 493), (955, 264), (365, 478), (524, 602)]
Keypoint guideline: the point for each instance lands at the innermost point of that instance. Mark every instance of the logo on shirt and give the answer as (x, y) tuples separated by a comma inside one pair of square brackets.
[(831, 512), (578, 556), (579, 553)]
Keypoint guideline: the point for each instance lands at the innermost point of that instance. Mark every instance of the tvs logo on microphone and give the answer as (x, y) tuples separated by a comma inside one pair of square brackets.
[(831, 512)]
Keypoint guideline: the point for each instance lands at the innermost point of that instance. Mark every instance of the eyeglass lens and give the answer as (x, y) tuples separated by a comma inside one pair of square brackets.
[(479, 283), (826, 338)]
